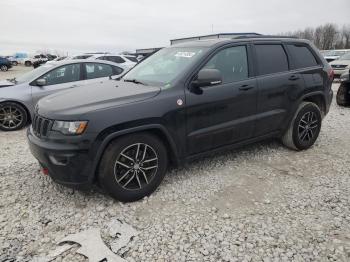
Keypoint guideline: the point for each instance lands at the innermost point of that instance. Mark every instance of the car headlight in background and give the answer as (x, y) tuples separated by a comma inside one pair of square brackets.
[(70, 128)]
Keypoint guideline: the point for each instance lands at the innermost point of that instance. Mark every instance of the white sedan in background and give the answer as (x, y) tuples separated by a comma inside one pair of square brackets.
[(18, 96), (127, 61)]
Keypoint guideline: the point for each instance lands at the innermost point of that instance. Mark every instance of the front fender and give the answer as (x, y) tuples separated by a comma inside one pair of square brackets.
[(104, 140)]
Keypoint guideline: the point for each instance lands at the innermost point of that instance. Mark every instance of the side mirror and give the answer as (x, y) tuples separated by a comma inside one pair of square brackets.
[(41, 82), (207, 77)]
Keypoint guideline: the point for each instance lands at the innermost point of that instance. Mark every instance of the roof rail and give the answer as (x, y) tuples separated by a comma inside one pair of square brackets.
[(263, 36)]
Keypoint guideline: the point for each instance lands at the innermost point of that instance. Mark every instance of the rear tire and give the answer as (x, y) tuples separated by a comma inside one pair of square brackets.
[(13, 116), (133, 166), (4, 68), (28, 63), (304, 128)]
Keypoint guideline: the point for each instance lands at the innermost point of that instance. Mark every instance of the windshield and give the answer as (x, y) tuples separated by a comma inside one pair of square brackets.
[(345, 57), (164, 66), (30, 76)]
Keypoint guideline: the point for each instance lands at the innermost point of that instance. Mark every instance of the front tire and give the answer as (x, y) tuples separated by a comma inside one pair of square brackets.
[(28, 63), (304, 128), (4, 68), (133, 166), (12, 116)]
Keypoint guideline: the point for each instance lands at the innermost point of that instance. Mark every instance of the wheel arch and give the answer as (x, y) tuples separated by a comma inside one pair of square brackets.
[(156, 129), (318, 99)]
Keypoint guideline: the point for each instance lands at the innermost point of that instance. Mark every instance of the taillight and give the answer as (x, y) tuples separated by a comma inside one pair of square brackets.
[(331, 74)]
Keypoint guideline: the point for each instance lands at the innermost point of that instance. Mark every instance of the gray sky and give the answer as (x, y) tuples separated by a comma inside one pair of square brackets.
[(116, 25)]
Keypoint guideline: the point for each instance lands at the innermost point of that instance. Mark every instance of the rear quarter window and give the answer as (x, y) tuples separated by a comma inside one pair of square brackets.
[(271, 58), (302, 56)]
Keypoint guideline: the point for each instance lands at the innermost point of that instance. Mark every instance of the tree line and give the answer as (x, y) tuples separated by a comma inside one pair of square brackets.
[(325, 37)]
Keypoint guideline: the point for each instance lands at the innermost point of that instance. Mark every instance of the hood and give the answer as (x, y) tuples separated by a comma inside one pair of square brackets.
[(340, 62), (73, 103), (5, 83)]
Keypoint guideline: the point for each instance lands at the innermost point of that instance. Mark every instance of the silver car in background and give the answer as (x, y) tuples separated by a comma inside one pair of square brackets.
[(18, 96)]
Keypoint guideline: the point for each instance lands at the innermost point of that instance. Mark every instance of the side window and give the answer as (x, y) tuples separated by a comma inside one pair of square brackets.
[(63, 74), (96, 70), (271, 59), (132, 59), (101, 58), (117, 70), (115, 59), (302, 56), (232, 63)]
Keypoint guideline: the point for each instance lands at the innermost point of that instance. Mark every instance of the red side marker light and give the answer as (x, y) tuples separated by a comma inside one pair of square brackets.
[(45, 171)]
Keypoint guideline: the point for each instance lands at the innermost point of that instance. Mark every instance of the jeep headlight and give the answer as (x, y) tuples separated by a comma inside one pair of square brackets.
[(70, 127)]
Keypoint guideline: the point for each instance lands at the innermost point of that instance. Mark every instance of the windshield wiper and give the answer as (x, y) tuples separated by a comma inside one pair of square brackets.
[(135, 81)]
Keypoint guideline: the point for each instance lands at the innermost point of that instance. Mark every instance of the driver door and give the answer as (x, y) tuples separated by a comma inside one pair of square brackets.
[(58, 79), (223, 114)]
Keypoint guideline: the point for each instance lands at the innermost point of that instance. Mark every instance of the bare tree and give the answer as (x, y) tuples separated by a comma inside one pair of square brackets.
[(326, 36), (329, 36), (346, 36)]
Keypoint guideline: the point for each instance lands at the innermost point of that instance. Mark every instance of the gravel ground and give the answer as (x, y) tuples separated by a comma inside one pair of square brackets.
[(258, 203), (15, 71)]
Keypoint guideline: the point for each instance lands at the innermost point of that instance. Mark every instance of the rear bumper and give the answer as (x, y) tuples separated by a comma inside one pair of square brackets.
[(67, 164)]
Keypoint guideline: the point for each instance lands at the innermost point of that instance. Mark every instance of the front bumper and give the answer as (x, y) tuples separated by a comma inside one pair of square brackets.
[(67, 164), (339, 72)]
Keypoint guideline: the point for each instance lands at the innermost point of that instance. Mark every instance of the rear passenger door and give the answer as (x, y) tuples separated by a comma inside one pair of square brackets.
[(307, 64), (277, 86)]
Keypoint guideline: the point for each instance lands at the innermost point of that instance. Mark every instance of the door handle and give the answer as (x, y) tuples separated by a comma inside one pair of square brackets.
[(293, 78), (73, 86), (245, 87)]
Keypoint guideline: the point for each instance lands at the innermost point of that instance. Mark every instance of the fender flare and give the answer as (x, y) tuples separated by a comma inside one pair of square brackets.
[(105, 142)]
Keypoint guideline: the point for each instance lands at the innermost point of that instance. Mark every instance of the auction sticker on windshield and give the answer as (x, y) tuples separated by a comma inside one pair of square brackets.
[(185, 54)]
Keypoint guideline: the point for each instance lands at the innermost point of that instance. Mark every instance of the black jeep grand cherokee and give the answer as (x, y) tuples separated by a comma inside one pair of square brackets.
[(183, 102)]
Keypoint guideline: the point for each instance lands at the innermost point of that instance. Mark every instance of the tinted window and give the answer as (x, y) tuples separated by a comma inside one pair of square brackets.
[(271, 59), (115, 59), (302, 56), (231, 62), (63, 74), (117, 70), (95, 70), (82, 56), (132, 59)]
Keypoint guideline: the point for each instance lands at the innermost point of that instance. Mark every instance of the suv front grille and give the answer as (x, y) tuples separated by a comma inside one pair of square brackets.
[(339, 66), (41, 126)]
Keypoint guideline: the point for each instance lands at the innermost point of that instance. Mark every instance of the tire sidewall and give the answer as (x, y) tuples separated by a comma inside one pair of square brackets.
[(310, 107), (341, 95), (23, 112), (106, 170)]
